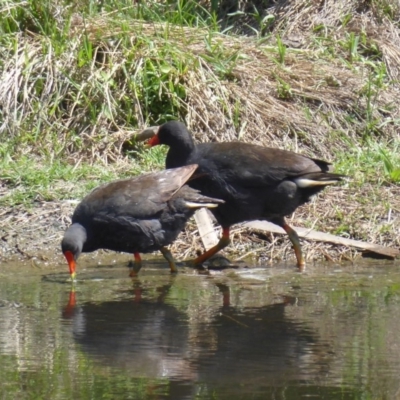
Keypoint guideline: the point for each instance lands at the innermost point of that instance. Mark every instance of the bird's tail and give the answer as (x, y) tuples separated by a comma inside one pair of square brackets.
[(204, 201), (194, 199), (314, 179)]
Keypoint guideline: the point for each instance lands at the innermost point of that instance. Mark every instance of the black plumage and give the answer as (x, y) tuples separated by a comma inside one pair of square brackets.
[(137, 215), (256, 182)]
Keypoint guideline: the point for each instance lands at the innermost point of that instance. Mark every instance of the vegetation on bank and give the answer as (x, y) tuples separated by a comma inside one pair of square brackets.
[(79, 78)]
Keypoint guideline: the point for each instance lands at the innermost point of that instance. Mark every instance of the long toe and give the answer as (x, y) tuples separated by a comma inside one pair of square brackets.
[(218, 261)]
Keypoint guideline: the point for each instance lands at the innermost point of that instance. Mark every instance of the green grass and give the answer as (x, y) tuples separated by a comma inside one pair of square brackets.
[(375, 163), (37, 179), (126, 66), (44, 143)]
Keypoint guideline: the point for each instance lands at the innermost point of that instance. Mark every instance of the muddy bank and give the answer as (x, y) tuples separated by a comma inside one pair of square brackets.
[(33, 234)]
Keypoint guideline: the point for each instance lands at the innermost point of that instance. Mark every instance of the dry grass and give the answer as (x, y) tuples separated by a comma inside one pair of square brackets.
[(330, 85), (226, 87)]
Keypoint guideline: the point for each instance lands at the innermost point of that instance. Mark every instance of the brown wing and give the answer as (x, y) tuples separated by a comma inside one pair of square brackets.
[(140, 197)]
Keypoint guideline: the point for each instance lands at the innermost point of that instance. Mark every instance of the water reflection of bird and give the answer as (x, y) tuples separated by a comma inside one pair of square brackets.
[(137, 215), (258, 345), (256, 182), (249, 349), (147, 338)]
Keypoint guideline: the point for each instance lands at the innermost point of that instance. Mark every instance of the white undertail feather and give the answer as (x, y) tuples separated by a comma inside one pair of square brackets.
[(192, 204), (305, 183)]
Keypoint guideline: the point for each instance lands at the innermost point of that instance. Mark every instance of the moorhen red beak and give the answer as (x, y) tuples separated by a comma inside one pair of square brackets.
[(256, 182), (137, 215), (71, 263), (154, 141)]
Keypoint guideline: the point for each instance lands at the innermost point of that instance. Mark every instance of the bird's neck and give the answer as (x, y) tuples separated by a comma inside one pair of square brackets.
[(179, 156), (77, 234)]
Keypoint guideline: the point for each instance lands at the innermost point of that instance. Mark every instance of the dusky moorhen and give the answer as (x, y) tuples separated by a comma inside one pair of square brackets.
[(137, 215), (256, 182)]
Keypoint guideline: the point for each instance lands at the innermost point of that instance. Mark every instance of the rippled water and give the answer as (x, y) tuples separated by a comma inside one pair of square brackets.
[(259, 333)]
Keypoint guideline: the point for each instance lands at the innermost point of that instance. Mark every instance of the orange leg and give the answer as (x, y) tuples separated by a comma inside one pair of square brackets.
[(294, 238), (168, 256), (223, 242), (137, 266)]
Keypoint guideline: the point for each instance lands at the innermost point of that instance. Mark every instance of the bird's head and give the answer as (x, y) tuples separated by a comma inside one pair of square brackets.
[(172, 133), (72, 244)]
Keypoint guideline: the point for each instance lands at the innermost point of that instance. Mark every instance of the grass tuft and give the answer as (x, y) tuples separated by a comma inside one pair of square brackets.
[(77, 79)]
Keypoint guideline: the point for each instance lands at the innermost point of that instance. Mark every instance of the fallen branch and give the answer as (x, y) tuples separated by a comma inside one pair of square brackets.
[(325, 237), (206, 229)]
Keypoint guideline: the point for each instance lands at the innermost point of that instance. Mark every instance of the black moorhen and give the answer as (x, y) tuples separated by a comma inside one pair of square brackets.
[(137, 215), (256, 182)]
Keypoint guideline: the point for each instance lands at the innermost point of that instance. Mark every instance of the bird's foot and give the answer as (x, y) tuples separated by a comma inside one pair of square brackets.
[(134, 268), (194, 264), (301, 267), (216, 262)]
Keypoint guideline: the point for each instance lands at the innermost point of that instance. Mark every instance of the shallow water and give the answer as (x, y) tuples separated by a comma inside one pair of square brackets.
[(256, 333)]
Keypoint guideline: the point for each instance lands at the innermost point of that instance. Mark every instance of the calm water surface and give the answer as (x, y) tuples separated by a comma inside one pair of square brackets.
[(261, 333)]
